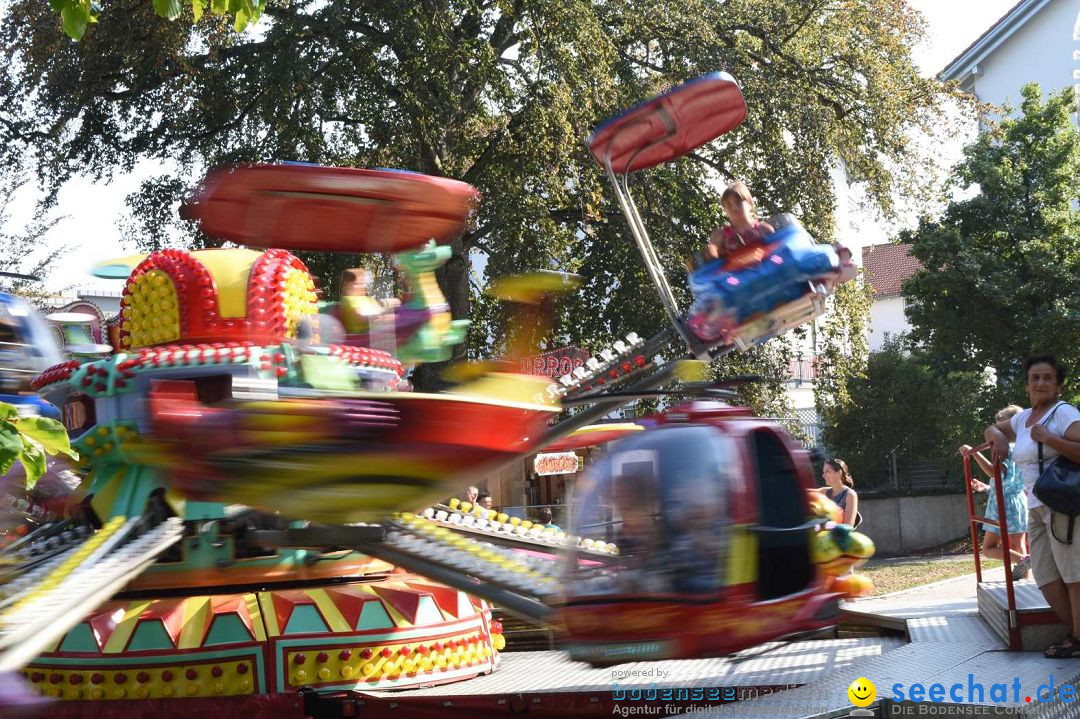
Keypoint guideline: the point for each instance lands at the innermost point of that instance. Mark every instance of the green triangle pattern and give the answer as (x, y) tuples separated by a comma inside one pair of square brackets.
[(150, 635), (374, 616), (80, 639), (227, 629), (305, 619)]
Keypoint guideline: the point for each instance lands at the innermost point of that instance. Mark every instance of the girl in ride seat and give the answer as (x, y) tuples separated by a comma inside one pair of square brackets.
[(743, 228), (357, 308)]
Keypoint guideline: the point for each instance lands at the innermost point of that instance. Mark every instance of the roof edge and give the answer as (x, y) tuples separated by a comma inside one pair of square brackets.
[(986, 43)]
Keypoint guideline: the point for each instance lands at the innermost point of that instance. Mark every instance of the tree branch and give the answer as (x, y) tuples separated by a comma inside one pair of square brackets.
[(814, 7), (641, 63), (714, 164)]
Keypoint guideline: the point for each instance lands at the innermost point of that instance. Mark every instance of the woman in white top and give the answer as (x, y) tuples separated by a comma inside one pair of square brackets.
[(1056, 425)]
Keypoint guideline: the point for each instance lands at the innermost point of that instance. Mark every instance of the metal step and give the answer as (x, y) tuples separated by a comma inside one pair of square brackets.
[(1039, 626)]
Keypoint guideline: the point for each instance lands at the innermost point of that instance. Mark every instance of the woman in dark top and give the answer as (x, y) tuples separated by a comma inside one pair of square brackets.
[(840, 489)]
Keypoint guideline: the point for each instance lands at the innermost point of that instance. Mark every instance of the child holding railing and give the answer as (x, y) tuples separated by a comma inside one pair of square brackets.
[(1012, 487)]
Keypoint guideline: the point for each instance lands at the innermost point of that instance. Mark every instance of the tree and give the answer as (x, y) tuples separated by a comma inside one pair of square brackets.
[(935, 415), (77, 15), (498, 93), (844, 352), (23, 251), (1000, 275)]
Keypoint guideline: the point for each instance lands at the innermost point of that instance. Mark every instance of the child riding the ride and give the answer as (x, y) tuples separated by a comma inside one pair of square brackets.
[(743, 228)]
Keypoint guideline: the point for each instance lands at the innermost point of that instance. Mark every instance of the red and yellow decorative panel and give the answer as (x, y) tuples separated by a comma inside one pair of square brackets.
[(397, 632), (215, 296)]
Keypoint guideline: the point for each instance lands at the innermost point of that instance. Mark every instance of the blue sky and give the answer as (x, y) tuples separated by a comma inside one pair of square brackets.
[(93, 210)]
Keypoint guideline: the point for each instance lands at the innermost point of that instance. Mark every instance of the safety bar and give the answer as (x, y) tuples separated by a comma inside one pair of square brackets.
[(1002, 526)]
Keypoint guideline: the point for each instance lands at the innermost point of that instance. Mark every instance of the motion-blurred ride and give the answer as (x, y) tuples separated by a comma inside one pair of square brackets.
[(237, 410), (719, 547)]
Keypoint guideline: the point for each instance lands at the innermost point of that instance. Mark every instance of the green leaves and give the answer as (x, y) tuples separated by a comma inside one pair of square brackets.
[(76, 15), (1001, 270), (33, 462), (499, 95), (11, 445), (168, 9), (29, 440), (939, 412), (48, 433)]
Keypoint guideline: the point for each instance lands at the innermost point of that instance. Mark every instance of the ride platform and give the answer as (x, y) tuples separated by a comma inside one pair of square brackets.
[(939, 637), (548, 684)]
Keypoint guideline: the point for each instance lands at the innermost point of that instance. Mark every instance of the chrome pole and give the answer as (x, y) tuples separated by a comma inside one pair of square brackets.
[(652, 261)]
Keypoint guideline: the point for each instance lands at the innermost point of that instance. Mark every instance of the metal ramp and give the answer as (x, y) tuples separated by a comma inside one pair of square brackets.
[(549, 684)]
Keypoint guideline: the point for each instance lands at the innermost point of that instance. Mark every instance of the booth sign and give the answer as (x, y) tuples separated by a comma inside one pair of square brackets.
[(557, 463)]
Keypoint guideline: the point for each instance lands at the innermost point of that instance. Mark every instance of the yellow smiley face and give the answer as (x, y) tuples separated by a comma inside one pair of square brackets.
[(862, 692)]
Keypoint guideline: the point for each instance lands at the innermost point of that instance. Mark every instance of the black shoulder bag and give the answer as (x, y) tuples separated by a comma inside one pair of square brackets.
[(1058, 486)]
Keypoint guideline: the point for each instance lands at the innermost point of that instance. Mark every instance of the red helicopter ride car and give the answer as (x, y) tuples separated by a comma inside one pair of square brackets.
[(719, 546)]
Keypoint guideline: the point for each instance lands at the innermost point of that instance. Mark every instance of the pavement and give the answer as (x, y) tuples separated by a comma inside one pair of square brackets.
[(954, 596)]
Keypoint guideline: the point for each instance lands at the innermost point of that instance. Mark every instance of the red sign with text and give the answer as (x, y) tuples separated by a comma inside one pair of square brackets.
[(556, 363)]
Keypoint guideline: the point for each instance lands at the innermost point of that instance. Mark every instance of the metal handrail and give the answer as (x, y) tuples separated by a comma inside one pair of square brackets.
[(890, 458), (1002, 525)]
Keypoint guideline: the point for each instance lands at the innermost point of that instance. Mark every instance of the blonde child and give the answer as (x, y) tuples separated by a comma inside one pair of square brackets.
[(743, 228), (1012, 486)]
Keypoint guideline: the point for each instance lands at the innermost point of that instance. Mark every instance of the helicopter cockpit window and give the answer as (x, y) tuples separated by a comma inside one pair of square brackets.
[(783, 557), (661, 497)]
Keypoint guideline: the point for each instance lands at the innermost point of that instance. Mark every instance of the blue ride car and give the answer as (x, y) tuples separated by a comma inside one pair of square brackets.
[(27, 348), (732, 291)]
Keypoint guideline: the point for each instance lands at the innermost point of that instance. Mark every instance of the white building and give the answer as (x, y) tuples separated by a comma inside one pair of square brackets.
[(107, 301), (887, 267), (1033, 42)]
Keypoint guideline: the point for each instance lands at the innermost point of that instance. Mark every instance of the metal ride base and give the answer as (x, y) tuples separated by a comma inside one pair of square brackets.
[(952, 641), (547, 684), (945, 641)]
